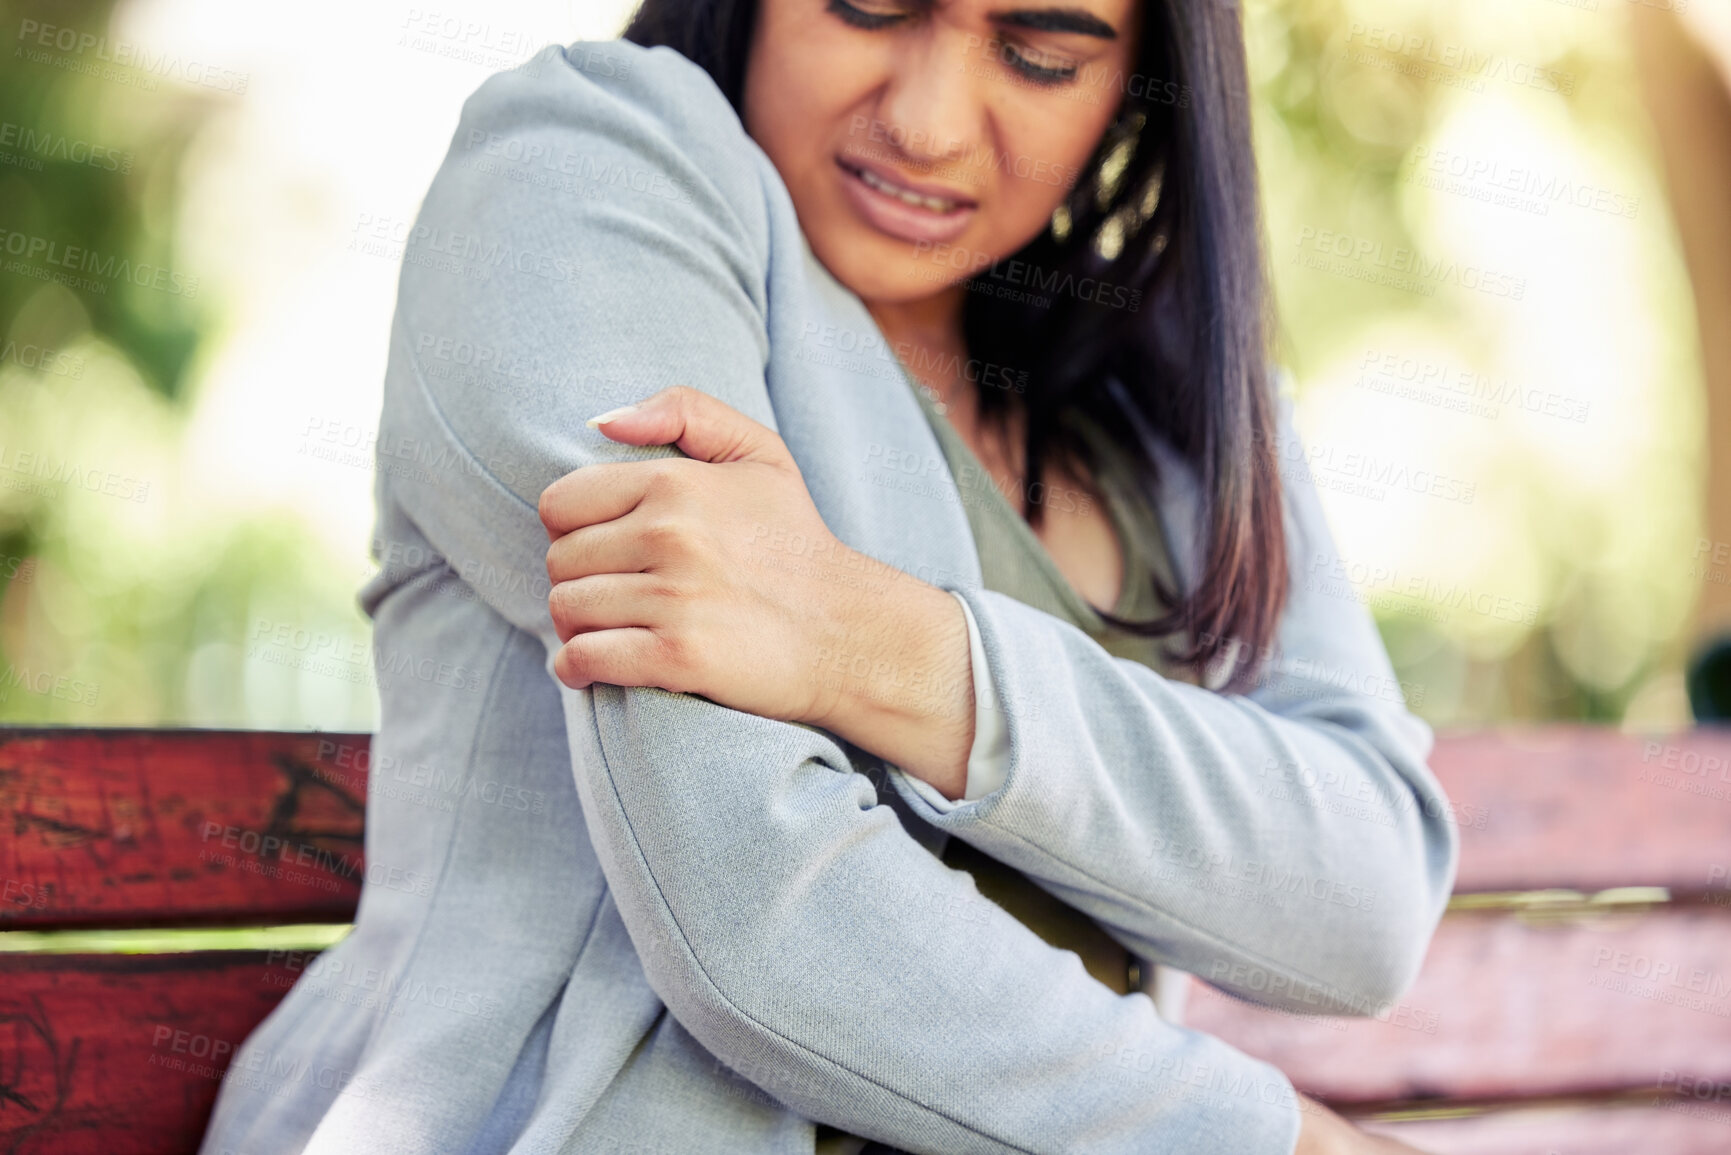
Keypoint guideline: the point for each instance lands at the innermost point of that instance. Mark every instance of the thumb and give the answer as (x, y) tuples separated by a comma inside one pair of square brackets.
[(703, 427)]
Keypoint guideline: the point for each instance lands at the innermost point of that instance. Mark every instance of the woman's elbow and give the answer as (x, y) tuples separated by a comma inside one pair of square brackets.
[(1396, 933)]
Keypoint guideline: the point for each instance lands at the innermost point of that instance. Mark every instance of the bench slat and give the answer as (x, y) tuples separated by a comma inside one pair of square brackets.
[(1683, 1128), (114, 1054), (1508, 1009), (135, 827), (138, 827), (1587, 808)]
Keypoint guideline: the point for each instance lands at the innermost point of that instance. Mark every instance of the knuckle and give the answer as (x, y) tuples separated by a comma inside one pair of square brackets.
[(671, 655), (663, 534), (559, 560), (672, 479), (558, 607), (571, 663), (547, 507)]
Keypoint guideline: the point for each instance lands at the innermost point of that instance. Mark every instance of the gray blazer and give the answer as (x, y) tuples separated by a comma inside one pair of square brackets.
[(623, 920)]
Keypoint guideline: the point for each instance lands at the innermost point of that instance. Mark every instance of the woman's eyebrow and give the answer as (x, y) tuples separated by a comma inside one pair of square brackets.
[(1076, 20)]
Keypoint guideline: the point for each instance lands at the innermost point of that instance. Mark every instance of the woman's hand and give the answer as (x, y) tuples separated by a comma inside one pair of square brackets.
[(714, 574)]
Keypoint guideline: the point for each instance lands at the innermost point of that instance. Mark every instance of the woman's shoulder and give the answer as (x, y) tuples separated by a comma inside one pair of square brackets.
[(594, 118), (616, 78)]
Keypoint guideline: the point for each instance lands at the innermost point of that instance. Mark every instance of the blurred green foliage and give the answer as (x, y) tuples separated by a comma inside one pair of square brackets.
[(127, 210), (127, 596), (153, 601)]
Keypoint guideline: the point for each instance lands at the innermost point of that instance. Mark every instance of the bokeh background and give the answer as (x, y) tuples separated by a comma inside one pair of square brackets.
[(1485, 309)]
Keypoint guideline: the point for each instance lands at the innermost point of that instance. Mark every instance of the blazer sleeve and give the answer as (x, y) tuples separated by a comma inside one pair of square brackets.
[(1288, 845), (784, 916)]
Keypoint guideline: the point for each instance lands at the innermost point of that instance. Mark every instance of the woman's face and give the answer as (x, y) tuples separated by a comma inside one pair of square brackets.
[(922, 140)]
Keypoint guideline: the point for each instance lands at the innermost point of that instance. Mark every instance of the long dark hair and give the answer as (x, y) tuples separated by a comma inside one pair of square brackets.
[(1153, 321)]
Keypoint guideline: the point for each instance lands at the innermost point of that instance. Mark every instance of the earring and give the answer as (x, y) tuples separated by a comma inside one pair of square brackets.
[(1127, 220), (1125, 135), (1061, 223)]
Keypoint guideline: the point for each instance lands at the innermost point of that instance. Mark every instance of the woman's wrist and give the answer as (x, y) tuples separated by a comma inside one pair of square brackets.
[(896, 680)]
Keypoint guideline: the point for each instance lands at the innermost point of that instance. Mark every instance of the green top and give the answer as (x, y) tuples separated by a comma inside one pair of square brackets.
[(1014, 561)]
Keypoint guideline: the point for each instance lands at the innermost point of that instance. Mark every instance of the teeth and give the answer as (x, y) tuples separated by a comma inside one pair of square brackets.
[(934, 204)]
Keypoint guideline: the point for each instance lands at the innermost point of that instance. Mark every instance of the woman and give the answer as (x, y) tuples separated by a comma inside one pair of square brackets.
[(747, 914)]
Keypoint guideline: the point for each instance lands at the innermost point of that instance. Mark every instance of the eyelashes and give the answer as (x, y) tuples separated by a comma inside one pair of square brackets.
[(860, 18), (1024, 65), (1038, 73)]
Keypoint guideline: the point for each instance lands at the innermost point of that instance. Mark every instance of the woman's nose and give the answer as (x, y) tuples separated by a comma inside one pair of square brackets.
[(931, 103)]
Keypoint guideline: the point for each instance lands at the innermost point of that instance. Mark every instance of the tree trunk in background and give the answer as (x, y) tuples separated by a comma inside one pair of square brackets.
[(1686, 80)]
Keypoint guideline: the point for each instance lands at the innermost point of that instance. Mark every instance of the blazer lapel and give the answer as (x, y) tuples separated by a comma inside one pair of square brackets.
[(848, 415)]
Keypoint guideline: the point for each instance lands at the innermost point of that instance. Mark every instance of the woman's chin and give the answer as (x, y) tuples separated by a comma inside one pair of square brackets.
[(897, 281)]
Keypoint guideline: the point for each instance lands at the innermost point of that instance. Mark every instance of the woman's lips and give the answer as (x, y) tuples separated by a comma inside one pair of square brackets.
[(905, 211)]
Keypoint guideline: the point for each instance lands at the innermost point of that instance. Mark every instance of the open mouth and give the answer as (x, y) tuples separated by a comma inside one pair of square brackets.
[(908, 196), (906, 210)]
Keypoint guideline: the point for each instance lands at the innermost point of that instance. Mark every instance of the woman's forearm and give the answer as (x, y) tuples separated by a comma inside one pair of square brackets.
[(901, 687)]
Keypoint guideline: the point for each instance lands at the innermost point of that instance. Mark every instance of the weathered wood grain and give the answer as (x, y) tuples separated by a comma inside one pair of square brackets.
[(133, 828), (122, 1054), (1588, 808), (1680, 1128), (1507, 1009)]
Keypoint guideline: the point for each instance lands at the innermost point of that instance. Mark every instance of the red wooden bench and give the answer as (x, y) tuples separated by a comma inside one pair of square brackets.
[(1577, 998)]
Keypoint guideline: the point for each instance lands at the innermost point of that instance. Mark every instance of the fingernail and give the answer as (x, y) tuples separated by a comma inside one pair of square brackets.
[(598, 422)]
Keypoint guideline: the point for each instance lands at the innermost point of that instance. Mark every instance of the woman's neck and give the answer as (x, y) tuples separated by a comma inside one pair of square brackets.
[(927, 335)]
